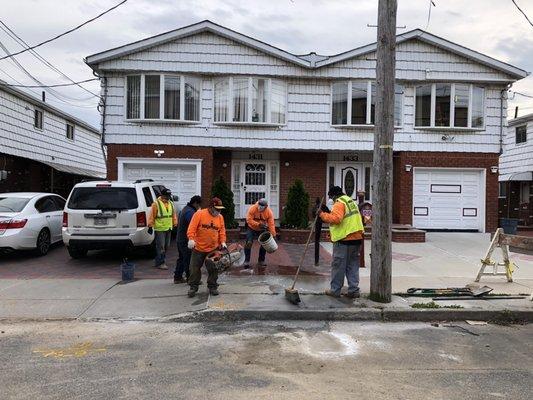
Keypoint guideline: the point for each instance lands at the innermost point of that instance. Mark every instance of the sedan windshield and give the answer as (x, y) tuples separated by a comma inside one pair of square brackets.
[(13, 204), (103, 198)]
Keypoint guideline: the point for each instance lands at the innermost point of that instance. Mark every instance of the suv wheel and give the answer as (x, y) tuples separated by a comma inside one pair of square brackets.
[(43, 242), (76, 252)]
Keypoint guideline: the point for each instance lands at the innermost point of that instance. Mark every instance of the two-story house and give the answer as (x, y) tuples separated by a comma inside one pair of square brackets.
[(202, 101), (42, 148), (516, 171)]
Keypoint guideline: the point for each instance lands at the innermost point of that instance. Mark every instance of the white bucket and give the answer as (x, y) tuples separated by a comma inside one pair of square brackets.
[(268, 242)]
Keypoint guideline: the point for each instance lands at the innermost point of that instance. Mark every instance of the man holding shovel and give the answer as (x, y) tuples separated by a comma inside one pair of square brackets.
[(346, 231), (259, 219)]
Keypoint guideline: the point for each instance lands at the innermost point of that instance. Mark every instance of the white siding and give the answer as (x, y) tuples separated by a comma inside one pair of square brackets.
[(308, 125), (19, 137), (208, 53), (516, 158)]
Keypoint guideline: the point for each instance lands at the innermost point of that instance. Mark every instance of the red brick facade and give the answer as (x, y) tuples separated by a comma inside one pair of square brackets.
[(403, 180)]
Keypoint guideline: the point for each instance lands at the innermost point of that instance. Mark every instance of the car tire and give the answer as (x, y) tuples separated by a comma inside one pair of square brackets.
[(44, 241), (76, 252)]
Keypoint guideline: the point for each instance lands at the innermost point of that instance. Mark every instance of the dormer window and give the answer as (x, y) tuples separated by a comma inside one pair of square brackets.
[(158, 97), (250, 100)]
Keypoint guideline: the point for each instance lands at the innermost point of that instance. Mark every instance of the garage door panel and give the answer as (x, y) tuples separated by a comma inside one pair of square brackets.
[(444, 195)]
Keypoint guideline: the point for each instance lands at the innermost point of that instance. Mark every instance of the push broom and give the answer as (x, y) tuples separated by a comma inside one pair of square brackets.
[(291, 293)]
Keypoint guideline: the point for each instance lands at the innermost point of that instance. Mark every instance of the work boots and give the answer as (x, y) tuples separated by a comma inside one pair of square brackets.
[(192, 291)]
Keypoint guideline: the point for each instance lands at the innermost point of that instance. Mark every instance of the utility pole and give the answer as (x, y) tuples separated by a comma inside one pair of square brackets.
[(381, 257)]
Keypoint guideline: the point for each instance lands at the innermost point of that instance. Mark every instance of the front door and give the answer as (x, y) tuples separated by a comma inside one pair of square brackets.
[(254, 184), (349, 178)]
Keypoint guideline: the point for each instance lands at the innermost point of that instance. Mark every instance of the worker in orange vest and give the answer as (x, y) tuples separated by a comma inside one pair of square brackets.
[(206, 233), (259, 219)]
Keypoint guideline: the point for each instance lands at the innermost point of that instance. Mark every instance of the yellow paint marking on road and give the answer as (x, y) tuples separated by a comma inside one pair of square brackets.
[(78, 350), (223, 306)]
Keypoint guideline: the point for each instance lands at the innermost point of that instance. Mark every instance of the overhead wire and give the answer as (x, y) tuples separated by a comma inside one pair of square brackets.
[(19, 40), (523, 13), (64, 33), (55, 85), (431, 4)]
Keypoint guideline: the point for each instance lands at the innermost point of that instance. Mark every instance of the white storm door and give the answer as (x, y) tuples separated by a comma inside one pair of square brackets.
[(254, 184)]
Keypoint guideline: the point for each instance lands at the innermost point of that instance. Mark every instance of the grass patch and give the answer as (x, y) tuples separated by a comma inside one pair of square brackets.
[(433, 305)]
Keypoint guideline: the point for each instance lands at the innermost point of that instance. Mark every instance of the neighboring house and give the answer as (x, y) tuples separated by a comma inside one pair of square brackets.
[(516, 171), (202, 101), (43, 149)]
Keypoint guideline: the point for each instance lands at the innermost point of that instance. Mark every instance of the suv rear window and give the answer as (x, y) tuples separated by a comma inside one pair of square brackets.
[(103, 198)]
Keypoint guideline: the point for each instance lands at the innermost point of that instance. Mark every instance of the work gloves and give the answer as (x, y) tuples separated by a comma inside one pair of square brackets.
[(324, 208), (264, 227), (150, 230), (191, 244), (223, 245)]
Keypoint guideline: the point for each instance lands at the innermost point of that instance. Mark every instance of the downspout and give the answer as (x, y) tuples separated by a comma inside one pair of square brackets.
[(503, 96)]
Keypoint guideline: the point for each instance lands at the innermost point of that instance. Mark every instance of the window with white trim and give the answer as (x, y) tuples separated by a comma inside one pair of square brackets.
[(38, 119), (163, 97), (250, 100), (70, 131), (521, 134), (353, 103), (449, 105)]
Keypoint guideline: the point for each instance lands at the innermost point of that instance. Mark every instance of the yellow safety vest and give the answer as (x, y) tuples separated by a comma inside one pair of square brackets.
[(163, 219), (350, 223)]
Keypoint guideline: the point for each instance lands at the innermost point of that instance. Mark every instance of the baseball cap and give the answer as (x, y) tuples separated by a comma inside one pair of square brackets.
[(166, 192), (216, 203), (263, 202)]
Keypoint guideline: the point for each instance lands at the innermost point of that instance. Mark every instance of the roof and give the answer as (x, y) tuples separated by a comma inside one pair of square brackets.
[(45, 106), (311, 60), (75, 170), (26, 195), (521, 120)]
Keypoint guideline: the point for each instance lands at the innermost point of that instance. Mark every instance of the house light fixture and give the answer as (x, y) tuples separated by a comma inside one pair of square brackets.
[(494, 169), (159, 152), (287, 163), (408, 167), (224, 165)]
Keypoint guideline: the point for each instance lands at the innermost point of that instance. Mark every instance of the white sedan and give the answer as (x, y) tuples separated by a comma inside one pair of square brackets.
[(30, 221)]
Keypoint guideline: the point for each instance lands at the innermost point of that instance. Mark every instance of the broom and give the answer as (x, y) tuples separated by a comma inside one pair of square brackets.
[(291, 293)]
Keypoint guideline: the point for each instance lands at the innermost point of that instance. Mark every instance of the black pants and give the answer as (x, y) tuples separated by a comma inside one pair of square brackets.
[(184, 259), (197, 260), (251, 237)]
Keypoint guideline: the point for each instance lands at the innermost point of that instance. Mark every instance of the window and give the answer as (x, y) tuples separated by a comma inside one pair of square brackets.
[(452, 105), (103, 198), (502, 189), (250, 100), (133, 97), (46, 205), (163, 97), (353, 103), (38, 119), (521, 134), (148, 199), (60, 202), (70, 131)]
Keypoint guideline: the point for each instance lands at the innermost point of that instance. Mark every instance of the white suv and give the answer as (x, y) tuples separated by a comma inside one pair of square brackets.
[(109, 215)]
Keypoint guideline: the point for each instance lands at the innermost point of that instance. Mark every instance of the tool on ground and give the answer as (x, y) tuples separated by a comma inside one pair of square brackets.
[(504, 241), (453, 291), (222, 260), (478, 298), (291, 293)]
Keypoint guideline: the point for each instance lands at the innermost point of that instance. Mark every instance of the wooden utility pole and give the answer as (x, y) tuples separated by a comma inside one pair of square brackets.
[(381, 257)]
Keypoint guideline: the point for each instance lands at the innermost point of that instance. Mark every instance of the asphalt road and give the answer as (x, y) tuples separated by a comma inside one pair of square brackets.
[(275, 360)]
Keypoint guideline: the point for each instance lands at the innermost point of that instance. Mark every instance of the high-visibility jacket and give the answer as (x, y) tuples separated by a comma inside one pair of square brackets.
[(256, 218), (163, 218), (207, 231), (345, 221)]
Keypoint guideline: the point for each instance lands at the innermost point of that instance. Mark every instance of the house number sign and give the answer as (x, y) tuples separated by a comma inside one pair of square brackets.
[(255, 156), (353, 157)]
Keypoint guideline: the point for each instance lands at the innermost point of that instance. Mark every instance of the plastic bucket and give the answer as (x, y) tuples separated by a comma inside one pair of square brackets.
[(509, 225), (268, 242), (128, 271)]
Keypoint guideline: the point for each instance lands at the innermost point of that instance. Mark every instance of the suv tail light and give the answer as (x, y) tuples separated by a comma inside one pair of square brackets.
[(141, 219), (13, 224), (65, 220)]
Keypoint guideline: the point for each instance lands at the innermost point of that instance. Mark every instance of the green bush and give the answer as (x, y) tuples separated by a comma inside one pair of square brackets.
[(296, 212), (223, 192)]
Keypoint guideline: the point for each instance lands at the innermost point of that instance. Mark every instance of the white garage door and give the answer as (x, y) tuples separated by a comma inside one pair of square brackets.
[(181, 179), (448, 199)]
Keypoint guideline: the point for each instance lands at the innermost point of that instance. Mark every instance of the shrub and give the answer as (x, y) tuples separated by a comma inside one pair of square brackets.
[(223, 192), (296, 212)]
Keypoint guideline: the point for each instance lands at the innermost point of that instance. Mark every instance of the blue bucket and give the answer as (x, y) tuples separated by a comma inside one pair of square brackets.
[(128, 269)]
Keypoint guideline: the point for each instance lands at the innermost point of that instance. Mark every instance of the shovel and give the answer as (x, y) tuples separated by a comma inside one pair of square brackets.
[(291, 294)]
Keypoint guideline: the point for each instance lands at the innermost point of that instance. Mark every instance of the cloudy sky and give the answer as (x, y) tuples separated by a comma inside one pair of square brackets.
[(493, 27)]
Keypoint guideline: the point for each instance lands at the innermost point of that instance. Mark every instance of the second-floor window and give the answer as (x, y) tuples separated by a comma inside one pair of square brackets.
[(70, 131), (449, 105), (354, 103), (38, 119), (250, 100), (521, 134), (163, 97)]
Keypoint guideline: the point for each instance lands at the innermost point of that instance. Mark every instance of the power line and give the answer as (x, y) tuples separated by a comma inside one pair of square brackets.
[(431, 4), (522, 94), (21, 41), (64, 33), (525, 15), (52, 86)]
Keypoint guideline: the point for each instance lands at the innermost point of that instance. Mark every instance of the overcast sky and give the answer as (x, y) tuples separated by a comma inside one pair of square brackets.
[(492, 27)]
